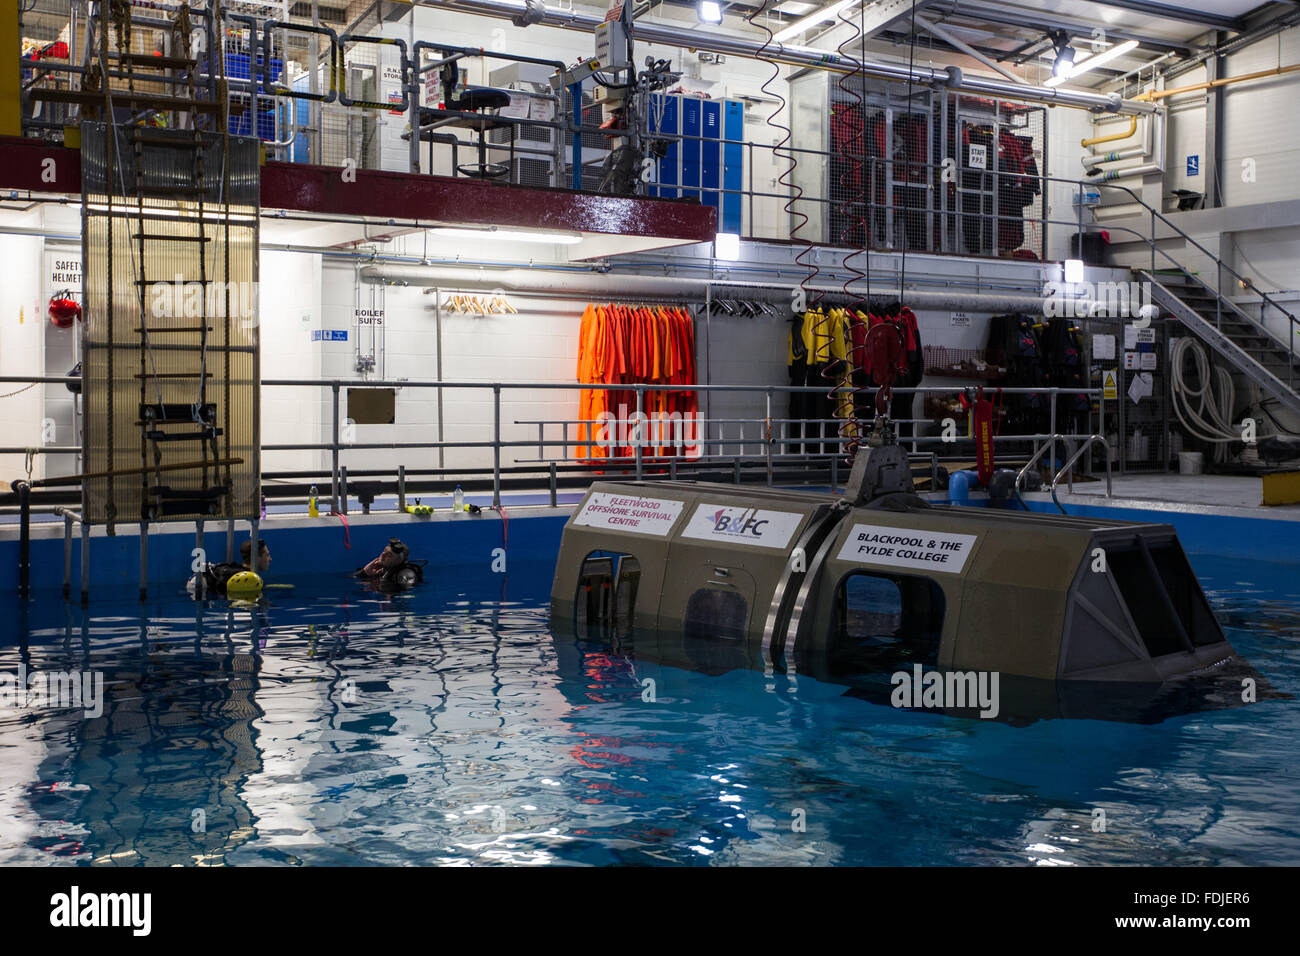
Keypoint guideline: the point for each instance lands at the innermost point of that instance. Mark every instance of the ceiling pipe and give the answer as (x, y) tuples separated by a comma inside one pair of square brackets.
[(713, 42), (614, 286)]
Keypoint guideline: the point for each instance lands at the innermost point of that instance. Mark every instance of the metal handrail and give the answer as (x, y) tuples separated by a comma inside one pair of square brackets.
[(1050, 443), (767, 441), (1070, 463)]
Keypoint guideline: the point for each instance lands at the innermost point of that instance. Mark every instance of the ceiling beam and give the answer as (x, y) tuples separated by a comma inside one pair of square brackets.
[(1036, 20), (966, 48), (1169, 12)]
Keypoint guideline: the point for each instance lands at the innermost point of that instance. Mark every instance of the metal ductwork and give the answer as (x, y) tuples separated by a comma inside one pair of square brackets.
[(616, 285), (714, 42)]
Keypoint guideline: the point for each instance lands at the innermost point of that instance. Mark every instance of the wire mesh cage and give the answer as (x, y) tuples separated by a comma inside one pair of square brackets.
[(983, 364)]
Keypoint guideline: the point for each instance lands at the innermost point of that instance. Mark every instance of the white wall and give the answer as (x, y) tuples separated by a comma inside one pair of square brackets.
[(62, 271), (22, 317), (1065, 128), (1260, 123), (539, 344), (289, 311)]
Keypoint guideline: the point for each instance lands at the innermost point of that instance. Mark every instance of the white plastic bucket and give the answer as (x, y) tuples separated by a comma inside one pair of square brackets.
[(1190, 462)]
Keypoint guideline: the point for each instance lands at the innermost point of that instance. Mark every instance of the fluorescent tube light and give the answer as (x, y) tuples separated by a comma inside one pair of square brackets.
[(826, 14), (1092, 62)]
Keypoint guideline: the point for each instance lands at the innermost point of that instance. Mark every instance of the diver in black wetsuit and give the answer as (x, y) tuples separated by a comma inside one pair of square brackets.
[(215, 576), (394, 567)]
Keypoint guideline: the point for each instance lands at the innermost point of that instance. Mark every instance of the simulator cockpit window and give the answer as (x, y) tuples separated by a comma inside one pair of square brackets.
[(886, 620), (606, 601)]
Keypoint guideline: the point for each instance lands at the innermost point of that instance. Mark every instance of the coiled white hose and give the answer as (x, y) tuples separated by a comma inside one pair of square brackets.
[(1210, 419)]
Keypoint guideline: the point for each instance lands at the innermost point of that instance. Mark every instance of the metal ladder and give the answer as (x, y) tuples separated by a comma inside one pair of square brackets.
[(162, 422)]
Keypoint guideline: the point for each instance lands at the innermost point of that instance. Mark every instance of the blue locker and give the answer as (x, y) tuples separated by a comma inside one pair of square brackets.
[(733, 166), (711, 153), (670, 165), (692, 126)]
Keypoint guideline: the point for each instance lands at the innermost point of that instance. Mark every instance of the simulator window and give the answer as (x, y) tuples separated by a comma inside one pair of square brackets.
[(886, 620), (606, 600)]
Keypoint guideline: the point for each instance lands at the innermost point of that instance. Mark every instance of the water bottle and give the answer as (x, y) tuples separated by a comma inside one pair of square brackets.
[(458, 501), (312, 511)]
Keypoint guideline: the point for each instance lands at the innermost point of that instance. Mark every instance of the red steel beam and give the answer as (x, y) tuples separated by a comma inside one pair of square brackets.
[(29, 164)]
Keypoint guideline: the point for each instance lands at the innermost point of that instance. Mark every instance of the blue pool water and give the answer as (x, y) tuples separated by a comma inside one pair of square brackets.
[(449, 725)]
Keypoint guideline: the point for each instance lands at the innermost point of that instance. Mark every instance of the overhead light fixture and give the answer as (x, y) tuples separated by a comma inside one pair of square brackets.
[(509, 235), (710, 11), (1092, 62), (1073, 271), (824, 15), (1064, 62), (726, 245)]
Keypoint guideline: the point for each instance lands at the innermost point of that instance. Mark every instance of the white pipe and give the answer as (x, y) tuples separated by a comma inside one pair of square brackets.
[(1157, 155), (1113, 156), (1096, 159), (614, 285)]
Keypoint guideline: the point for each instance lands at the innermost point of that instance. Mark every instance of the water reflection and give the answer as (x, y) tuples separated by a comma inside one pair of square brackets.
[(448, 725)]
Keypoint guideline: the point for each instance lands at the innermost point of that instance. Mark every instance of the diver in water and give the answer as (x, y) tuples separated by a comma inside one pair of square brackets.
[(216, 576), (394, 567)]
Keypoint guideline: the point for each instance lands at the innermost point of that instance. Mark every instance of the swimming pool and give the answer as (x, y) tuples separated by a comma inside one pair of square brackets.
[(448, 725)]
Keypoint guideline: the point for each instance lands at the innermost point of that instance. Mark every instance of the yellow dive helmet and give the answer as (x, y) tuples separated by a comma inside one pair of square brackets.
[(244, 584)]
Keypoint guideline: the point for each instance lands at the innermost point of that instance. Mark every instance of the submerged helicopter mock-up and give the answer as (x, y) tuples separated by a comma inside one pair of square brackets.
[(1070, 616)]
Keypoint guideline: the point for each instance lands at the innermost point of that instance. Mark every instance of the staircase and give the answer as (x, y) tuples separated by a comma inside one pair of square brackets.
[(1234, 335)]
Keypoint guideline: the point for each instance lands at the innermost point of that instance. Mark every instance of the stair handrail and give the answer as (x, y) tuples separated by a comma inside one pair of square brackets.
[(1265, 298)]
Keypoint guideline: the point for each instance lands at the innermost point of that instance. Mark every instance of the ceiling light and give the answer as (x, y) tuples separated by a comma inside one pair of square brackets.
[(1094, 61), (509, 235), (824, 15), (710, 12), (726, 245), (1064, 62), (1073, 271)]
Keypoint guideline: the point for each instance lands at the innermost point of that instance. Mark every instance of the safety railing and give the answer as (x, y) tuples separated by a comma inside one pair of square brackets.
[(771, 431)]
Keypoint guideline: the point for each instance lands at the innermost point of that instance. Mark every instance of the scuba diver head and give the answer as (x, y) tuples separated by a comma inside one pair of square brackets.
[(395, 554), (394, 567), (263, 554)]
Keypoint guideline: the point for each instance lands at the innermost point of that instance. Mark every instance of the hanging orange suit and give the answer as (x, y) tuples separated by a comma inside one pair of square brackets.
[(626, 345)]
